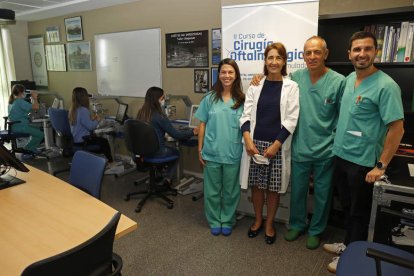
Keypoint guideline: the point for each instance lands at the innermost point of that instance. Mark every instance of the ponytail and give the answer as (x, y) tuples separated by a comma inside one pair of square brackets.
[(16, 90)]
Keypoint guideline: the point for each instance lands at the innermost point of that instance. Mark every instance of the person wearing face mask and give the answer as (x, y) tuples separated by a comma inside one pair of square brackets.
[(19, 110), (152, 113)]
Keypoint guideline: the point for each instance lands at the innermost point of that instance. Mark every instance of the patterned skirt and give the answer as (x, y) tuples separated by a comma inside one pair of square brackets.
[(266, 176)]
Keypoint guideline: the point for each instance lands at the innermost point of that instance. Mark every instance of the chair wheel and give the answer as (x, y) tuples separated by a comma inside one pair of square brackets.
[(137, 210), (170, 205), (126, 198)]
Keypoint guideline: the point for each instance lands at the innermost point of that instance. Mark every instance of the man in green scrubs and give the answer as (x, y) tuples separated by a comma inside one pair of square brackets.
[(320, 91), (369, 131)]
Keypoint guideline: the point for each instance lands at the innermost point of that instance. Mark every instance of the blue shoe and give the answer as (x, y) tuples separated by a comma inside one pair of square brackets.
[(215, 231), (226, 231)]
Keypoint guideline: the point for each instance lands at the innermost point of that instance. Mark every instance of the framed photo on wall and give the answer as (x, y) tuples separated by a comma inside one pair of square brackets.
[(187, 50), (73, 27), (215, 46), (214, 74), (201, 83), (52, 34), (79, 56)]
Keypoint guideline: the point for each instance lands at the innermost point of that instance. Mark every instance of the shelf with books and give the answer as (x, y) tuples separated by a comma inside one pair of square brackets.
[(377, 64), (337, 29)]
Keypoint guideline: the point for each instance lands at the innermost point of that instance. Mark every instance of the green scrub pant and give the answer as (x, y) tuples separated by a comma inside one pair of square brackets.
[(322, 194), (36, 136), (221, 193)]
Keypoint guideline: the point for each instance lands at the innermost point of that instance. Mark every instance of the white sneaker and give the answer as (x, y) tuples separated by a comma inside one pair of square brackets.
[(332, 265), (334, 248)]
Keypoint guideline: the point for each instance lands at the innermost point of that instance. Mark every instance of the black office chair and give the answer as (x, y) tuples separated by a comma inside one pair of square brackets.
[(93, 257), (142, 141), (60, 122), (370, 258), (9, 136)]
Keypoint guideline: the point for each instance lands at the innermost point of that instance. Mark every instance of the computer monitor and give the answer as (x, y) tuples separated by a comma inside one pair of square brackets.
[(29, 85), (121, 113), (193, 121), (8, 161)]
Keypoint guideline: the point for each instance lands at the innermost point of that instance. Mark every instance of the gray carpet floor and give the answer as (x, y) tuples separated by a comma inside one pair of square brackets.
[(178, 241)]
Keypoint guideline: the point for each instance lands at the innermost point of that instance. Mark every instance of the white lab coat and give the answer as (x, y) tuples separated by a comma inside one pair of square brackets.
[(289, 113)]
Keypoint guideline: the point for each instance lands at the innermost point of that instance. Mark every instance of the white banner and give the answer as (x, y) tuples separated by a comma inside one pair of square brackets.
[(37, 57), (248, 29)]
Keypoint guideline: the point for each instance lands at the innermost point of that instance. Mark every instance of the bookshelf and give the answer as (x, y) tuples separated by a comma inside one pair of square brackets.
[(337, 29)]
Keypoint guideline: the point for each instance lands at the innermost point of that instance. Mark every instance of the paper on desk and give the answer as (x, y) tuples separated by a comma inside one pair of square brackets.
[(411, 169)]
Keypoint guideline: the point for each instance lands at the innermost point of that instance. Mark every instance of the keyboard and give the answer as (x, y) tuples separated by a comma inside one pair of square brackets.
[(104, 129)]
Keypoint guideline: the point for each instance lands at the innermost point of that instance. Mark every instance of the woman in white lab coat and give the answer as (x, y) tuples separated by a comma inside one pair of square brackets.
[(269, 119)]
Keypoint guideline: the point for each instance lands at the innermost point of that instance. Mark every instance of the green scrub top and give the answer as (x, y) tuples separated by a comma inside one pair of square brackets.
[(319, 109), (19, 111), (365, 113), (222, 137)]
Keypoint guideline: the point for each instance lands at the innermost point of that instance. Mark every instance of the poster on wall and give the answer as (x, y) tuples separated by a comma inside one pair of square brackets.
[(187, 50), (38, 60), (215, 46), (79, 56), (248, 29), (74, 28), (52, 34), (55, 57)]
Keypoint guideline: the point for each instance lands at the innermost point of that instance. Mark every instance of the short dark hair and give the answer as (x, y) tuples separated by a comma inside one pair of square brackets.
[(362, 35)]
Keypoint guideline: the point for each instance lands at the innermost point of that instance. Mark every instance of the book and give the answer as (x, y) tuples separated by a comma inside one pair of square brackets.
[(402, 41), (390, 40), (379, 34), (385, 44), (409, 43), (395, 45)]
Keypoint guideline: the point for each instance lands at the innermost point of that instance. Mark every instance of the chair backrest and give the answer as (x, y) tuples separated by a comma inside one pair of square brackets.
[(60, 121), (93, 257), (87, 171), (140, 138)]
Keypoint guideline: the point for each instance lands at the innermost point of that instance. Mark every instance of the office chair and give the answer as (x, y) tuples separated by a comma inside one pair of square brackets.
[(93, 257), (60, 122), (370, 258), (7, 136), (142, 141), (86, 172)]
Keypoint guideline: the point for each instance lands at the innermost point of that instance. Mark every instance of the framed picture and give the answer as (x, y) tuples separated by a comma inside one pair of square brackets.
[(187, 50), (55, 57), (73, 27), (215, 46), (201, 83), (52, 34), (214, 74), (79, 56)]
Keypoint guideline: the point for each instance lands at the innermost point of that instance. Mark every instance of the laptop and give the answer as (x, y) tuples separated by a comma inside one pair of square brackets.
[(193, 122)]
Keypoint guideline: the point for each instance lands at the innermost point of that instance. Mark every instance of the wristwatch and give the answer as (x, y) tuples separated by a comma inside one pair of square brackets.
[(380, 165)]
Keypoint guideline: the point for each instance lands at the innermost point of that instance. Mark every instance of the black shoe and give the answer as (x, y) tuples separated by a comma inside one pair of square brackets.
[(253, 233), (270, 239)]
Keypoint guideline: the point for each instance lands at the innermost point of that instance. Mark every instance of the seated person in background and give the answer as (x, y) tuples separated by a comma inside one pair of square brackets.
[(151, 112), (82, 124), (19, 110)]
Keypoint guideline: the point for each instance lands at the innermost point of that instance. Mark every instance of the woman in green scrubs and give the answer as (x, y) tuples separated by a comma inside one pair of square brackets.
[(220, 147)]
